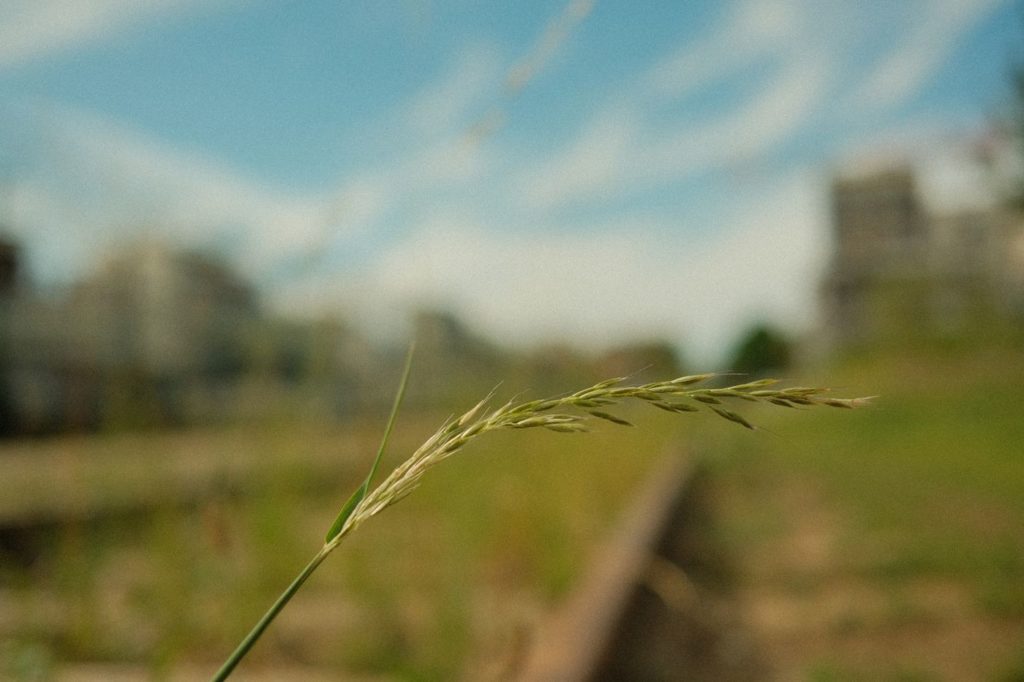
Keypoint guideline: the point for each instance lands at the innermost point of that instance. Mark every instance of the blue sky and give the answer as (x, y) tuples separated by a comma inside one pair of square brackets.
[(602, 171)]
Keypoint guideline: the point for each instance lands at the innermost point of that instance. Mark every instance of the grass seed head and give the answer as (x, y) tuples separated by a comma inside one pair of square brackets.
[(454, 433), (733, 417), (692, 379), (610, 417)]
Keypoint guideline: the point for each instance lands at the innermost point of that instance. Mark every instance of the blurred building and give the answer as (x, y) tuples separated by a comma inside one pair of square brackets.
[(160, 335), (901, 273), (165, 312), (152, 322), (38, 384)]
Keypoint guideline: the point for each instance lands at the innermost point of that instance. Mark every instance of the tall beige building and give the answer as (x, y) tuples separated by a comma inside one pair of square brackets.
[(901, 273)]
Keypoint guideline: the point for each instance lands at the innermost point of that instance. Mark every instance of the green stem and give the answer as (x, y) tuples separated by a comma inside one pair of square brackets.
[(268, 617)]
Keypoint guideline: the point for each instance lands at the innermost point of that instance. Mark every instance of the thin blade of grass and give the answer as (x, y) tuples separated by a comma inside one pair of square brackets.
[(360, 493)]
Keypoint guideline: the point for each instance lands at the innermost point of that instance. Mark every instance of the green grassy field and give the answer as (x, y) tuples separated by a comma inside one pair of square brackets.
[(451, 580), (888, 543)]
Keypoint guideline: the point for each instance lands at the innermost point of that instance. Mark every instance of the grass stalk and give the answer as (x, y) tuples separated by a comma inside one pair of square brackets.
[(246, 644)]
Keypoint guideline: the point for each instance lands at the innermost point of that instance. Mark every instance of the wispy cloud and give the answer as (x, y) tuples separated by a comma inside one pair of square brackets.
[(635, 276), (748, 31), (98, 181), (593, 164), (624, 145), (113, 181), (807, 56), (33, 28), (780, 108), (933, 30), (443, 105)]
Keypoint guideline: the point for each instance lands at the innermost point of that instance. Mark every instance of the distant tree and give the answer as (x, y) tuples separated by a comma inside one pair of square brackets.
[(761, 349)]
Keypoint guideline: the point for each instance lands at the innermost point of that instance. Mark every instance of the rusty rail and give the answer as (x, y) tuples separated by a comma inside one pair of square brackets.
[(657, 604), (571, 644)]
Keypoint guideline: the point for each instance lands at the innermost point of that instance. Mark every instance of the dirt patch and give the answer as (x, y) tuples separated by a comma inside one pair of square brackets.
[(815, 613)]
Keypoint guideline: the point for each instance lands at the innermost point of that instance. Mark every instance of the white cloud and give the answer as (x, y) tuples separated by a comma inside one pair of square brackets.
[(749, 31), (934, 31), (104, 182), (34, 28), (99, 182), (780, 108), (622, 146), (806, 51), (634, 278), (443, 105), (902, 45), (952, 179), (453, 161), (593, 164), (620, 150)]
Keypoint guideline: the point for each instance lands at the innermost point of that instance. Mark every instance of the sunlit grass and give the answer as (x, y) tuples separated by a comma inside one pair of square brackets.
[(917, 505), (468, 562)]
